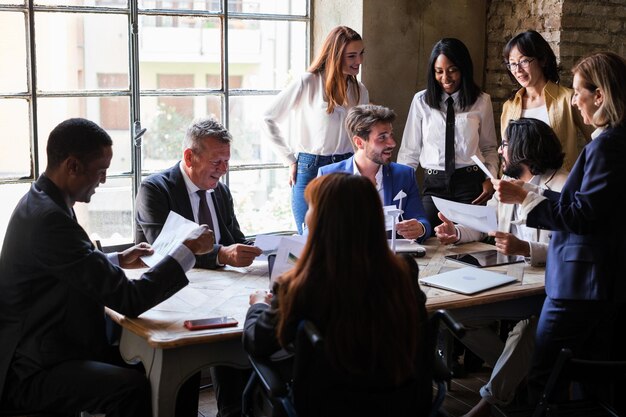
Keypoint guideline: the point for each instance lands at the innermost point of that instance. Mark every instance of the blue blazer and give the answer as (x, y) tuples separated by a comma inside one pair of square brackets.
[(585, 256), (396, 177)]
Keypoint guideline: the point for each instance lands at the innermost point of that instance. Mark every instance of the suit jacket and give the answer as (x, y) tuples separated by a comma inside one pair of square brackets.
[(165, 191), (587, 246), (54, 286), (396, 177), (551, 180)]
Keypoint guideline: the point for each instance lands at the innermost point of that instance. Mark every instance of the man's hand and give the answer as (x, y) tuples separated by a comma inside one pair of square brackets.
[(203, 243), (446, 232), (508, 244), (410, 229), (510, 192), (293, 172), (238, 254), (131, 257), (486, 194), (261, 296)]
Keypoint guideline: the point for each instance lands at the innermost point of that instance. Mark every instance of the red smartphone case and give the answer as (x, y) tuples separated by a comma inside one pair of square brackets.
[(210, 323)]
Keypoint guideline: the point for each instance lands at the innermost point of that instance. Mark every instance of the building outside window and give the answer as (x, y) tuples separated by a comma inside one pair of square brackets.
[(188, 59)]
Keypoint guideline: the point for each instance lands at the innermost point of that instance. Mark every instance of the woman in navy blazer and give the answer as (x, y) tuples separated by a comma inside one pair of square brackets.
[(584, 271)]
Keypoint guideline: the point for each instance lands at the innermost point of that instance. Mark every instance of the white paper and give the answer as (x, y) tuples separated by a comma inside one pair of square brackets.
[(391, 216), (482, 166), (288, 253), (481, 218), (268, 244), (175, 230)]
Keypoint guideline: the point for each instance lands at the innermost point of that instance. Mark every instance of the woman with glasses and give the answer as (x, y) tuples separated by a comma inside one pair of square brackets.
[(448, 123), (532, 63), (318, 101)]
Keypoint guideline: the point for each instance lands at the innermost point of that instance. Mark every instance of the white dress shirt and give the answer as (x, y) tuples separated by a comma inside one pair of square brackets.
[(194, 199), (313, 130), (424, 138), (378, 178)]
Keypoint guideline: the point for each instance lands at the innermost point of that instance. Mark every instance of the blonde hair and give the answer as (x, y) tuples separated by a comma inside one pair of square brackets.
[(329, 62)]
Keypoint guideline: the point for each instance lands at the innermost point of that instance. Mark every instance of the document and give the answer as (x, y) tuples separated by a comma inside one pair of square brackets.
[(481, 218), (288, 253), (268, 244), (482, 167), (175, 230)]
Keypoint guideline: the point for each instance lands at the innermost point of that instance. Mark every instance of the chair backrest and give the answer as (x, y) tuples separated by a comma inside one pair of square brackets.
[(113, 248), (602, 375)]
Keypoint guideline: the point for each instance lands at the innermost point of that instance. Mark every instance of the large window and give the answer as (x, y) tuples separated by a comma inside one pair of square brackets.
[(186, 59)]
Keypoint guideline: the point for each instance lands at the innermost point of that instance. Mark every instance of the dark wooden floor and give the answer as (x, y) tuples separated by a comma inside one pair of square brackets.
[(463, 395)]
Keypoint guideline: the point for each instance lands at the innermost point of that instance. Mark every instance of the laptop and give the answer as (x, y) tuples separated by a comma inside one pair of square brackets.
[(485, 258), (468, 280)]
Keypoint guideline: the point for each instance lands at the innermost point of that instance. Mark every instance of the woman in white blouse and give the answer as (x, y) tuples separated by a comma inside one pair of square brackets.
[(318, 101), (451, 75)]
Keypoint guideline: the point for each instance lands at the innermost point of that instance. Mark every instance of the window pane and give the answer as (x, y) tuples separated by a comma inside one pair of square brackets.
[(73, 49), (52, 111), (166, 120), (204, 5), (102, 3), (262, 200), (18, 2), (10, 194), (249, 146), (179, 45), (109, 215), (266, 54), (13, 53), (295, 7), (14, 141)]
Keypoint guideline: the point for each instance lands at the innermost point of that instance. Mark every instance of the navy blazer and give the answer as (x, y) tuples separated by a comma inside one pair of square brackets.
[(585, 256), (54, 286), (165, 191), (396, 177)]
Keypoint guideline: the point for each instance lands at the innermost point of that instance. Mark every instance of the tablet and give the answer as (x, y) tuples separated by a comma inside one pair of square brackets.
[(485, 258)]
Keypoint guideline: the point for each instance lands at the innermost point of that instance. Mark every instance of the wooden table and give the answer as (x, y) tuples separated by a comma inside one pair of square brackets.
[(171, 354)]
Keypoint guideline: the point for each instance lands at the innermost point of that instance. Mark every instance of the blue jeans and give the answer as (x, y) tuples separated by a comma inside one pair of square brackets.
[(308, 165)]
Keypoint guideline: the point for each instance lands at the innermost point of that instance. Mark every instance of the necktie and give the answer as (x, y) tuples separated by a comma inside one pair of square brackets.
[(450, 138), (204, 214)]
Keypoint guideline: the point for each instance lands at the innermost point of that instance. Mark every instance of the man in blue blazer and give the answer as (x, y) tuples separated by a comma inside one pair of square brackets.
[(205, 161), (371, 131), (54, 286)]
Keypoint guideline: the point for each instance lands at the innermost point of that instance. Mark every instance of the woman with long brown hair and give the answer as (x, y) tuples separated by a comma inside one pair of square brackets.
[(365, 300), (318, 101)]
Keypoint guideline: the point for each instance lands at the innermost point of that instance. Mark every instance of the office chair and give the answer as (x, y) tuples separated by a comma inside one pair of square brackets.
[(270, 393), (569, 369)]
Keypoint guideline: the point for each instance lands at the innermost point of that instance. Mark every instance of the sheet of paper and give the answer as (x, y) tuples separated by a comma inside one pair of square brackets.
[(391, 212), (482, 166), (481, 218), (268, 244), (175, 230), (289, 250)]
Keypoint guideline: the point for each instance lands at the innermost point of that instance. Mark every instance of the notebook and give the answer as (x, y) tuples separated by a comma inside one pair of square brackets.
[(467, 280)]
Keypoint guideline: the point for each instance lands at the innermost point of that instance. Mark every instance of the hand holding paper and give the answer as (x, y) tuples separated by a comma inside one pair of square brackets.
[(481, 218)]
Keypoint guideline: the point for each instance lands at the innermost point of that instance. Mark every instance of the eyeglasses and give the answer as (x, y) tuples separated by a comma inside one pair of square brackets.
[(504, 144), (524, 63)]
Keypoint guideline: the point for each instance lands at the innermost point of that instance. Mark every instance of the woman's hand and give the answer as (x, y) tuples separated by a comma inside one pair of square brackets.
[(261, 296), (486, 194), (293, 171), (508, 244), (510, 192)]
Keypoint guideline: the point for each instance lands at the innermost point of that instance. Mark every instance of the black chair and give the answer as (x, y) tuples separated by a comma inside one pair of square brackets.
[(113, 248), (271, 393), (568, 369)]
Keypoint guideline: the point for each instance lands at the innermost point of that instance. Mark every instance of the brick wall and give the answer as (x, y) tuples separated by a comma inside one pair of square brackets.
[(573, 28)]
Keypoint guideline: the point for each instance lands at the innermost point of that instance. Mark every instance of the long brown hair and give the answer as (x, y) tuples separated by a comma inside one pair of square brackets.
[(329, 62), (351, 285)]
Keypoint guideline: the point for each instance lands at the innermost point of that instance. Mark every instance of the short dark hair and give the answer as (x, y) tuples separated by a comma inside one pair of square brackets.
[(457, 52), (361, 119), (533, 143), (76, 137), (533, 45)]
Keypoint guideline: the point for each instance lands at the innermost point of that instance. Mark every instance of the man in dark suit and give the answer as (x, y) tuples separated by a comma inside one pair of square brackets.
[(181, 189), (192, 189), (371, 131), (54, 286)]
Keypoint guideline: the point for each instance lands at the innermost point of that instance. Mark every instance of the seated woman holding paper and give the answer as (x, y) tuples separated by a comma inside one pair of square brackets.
[(364, 300), (531, 152)]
